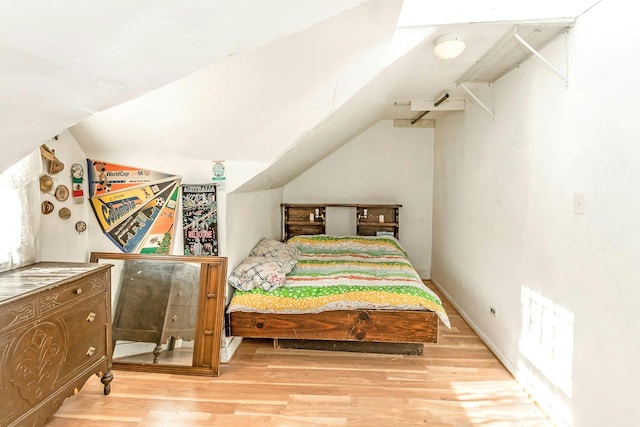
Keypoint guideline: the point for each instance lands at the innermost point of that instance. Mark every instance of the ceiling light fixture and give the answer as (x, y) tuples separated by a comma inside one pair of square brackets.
[(449, 46)]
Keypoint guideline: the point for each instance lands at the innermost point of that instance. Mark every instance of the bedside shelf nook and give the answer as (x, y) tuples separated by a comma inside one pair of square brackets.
[(371, 219), (300, 219)]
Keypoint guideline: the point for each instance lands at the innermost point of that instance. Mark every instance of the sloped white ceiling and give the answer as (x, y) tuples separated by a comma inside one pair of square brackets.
[(412, 73), (253, 105), (62, 61), (282, 82)]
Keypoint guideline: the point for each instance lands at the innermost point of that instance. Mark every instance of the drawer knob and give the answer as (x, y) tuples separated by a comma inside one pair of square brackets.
[(79, 291), (175, 318), (180, 293), (91, 317), (91, 351)]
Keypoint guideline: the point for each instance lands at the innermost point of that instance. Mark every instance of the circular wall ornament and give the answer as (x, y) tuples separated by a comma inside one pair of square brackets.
[(218, 170), (62, 193), (47, 207), (77, 171), (81, 226), (64, 213), (46, 183)]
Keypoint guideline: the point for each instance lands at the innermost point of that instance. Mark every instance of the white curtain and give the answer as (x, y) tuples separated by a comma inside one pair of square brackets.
[(19, 212)]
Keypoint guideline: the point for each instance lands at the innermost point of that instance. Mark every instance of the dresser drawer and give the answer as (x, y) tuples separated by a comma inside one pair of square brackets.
[(180, 322), (181, 317), (85, 329), (183, 294), (184, 286), (15, 314), (71, 292)]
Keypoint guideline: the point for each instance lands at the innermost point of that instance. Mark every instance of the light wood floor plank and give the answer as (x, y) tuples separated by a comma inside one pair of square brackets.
[(457, 382)]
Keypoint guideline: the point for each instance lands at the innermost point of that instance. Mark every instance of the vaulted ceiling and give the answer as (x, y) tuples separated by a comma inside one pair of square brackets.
[(283, 82)]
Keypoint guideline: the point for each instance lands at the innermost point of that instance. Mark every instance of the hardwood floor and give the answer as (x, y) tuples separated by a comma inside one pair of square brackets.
[(457, 382)]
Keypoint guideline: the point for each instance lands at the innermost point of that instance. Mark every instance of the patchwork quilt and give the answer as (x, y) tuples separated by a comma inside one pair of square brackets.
[(344, 273)]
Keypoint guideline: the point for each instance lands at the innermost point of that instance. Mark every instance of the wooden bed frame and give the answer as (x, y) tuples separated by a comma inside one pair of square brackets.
[(357, 325), (375, 326)]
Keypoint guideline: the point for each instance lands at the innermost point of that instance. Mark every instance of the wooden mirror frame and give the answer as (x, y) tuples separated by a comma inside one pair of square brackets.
[(210, 317)]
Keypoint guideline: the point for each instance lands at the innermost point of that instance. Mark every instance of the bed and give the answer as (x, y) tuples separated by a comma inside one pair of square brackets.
[(353, 288)]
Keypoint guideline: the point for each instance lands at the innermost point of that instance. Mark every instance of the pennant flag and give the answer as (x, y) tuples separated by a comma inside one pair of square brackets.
[(106, 177), (131, 231), (160, 237), (113, 208)]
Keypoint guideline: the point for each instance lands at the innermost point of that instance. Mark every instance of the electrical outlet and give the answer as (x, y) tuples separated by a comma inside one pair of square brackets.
[(492, 310), (579, 203)]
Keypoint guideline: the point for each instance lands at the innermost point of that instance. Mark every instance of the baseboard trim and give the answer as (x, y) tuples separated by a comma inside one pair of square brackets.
[(424, 274), (507, 364), (529, 388), (227, 352)]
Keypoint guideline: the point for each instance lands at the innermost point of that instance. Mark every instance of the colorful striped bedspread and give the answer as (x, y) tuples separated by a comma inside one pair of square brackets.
[(345, 273)]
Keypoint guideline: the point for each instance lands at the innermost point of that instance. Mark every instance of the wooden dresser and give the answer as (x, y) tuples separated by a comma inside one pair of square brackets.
[(55, 332), (157, 301)]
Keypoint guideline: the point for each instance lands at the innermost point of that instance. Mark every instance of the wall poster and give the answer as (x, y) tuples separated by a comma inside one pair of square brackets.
[(200, 219)]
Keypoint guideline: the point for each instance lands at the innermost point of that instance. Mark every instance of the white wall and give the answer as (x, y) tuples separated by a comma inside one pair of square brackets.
[(58, 239), (251, 216), (565, 286), (381, 165)]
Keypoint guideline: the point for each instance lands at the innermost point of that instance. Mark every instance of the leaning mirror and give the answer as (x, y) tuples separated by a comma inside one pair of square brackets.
[(167, 312)]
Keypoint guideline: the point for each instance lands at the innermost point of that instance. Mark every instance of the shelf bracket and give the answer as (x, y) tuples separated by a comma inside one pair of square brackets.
[(491, 113), (542, 58)]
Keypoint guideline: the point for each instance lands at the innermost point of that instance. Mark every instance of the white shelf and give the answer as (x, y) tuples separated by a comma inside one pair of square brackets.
[(509, 53)]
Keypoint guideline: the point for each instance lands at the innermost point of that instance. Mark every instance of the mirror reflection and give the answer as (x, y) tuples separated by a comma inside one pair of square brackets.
[(155, 309)]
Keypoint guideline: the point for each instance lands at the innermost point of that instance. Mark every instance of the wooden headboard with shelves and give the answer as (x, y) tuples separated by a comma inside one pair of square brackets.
[(310, 218)]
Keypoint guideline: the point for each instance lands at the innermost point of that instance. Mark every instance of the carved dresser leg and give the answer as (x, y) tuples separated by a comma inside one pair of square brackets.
[(156, 353), (106, 380)]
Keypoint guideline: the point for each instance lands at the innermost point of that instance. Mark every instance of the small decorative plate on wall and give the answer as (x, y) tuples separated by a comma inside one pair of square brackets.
[(64, 213), (62, 193), (47, 207)]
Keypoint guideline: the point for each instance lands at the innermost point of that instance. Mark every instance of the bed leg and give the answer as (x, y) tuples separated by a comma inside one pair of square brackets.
[(227, 324)]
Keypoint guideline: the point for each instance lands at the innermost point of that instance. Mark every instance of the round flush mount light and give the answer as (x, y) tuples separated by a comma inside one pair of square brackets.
[(449, 46)]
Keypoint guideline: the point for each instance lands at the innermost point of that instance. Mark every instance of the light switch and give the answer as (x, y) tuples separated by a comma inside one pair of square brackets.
[(579, 203)]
